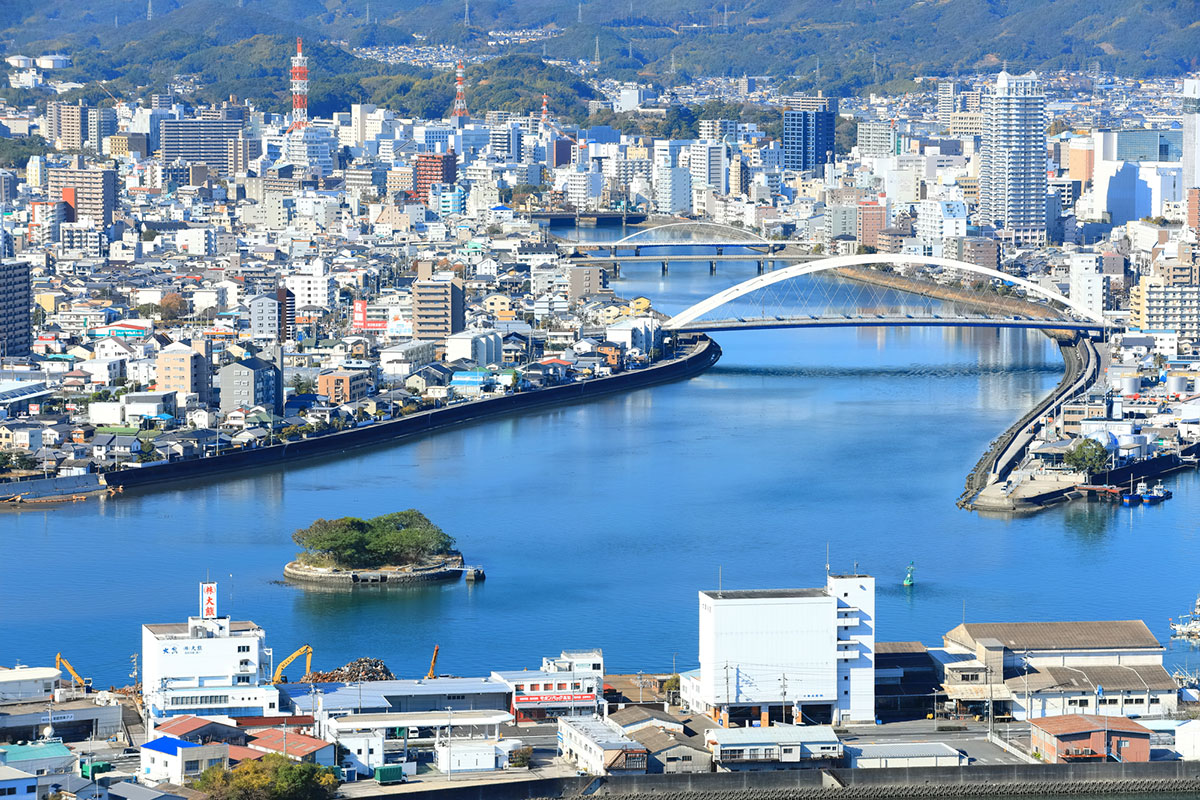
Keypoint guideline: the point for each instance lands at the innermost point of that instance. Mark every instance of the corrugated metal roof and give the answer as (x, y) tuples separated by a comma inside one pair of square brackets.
[(1098, 635), (902, 750)]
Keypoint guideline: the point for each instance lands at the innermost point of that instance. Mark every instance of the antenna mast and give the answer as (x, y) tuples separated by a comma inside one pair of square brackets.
[(460, 95), (299, 88)]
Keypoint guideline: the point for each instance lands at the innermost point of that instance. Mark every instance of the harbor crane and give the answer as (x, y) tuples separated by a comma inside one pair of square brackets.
[(306, 651)]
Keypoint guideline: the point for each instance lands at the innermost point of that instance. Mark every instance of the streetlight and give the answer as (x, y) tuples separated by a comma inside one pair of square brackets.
[(449, 745)]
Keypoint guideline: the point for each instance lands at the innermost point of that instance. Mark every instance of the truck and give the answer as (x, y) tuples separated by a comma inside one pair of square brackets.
[(389, 774)]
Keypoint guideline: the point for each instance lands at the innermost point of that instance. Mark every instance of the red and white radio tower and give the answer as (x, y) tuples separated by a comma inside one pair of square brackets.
[(545, 110), (299, 88), (460, 96)]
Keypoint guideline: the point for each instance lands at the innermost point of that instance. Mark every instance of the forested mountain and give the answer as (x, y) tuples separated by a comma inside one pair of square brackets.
[(857, 43)]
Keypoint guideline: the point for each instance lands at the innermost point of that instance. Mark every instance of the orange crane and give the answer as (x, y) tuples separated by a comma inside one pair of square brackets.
[(62, 663), (433, 662)]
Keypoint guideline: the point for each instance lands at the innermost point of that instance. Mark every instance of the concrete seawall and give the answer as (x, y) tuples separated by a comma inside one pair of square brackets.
[(65, 486), (703, 355), (451, 569), (1011, 780)]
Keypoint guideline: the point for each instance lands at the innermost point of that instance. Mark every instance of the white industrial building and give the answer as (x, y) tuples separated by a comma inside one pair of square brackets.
[(210, 665), (471, 739), (803, 655), (599, 747), (774, 747), (1040, 669)]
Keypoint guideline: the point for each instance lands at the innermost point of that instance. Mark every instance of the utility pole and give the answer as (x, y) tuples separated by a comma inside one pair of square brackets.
[(783, 683), (726, 694)]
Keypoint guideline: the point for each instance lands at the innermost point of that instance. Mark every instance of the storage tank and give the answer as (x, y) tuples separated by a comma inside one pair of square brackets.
[(1131, 384), (1177, 384)]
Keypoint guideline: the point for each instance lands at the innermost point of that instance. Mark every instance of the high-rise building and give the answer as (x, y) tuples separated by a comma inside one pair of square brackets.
[(1012, 173), (808, 134), (872, 218), (66, 125), (437, 308), (199, 141), (717, 129), (181, 368), (435, 168), (1191, 133), (101, 123), (707, 163), (16, 298), (947, 102), (877, 139), (90, 193)]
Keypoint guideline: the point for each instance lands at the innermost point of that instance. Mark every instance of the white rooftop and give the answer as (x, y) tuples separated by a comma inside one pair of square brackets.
[(775, 734)]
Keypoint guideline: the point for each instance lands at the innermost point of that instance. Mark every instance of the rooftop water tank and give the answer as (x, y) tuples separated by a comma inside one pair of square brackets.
[(1177, 384), (1131, 384)]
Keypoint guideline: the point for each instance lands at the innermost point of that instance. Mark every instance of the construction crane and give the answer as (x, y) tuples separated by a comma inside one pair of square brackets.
[(305, 651), (62, 663), (433, 662)]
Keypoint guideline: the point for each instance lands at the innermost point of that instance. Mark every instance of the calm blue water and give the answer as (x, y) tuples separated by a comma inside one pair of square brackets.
[(598, 523)]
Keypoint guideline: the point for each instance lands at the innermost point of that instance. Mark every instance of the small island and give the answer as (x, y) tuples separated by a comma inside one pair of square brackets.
[(401, 548)]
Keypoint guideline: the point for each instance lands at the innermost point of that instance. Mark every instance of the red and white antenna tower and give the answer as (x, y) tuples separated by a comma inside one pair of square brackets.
[(460, 96), (299, 88), (545, 110)]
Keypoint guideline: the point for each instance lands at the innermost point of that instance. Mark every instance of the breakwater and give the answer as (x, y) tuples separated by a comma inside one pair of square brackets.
[(1082, 368), (702, 353)]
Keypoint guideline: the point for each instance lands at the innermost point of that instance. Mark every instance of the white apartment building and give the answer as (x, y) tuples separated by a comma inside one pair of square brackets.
[(210, 665), (802, 655), (1087, 285), (938, 220), (672, 190), (1012, 171), (312, 285), (484, 347), (709, 164)]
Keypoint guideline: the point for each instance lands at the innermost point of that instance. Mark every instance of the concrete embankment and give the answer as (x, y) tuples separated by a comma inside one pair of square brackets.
[(19, 493), (1081, 369), (1010, 780), (447, 569), (702, 354)]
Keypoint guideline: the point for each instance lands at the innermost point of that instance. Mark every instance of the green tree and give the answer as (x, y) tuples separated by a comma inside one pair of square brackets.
[(403, 537), (272, 777), (26, 462), (146, 452), (1088, 456)]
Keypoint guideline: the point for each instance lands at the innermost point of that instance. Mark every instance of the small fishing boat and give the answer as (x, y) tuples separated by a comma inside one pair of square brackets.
[(1188, 625)]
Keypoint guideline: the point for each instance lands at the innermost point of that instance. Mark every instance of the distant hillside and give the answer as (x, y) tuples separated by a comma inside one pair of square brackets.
[(855, 41)]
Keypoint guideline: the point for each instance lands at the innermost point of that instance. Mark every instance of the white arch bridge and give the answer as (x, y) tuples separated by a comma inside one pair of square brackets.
[(910, 291)]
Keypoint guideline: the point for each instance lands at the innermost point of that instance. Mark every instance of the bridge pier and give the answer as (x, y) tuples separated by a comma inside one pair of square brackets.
[(637, 251), (720, 251), (616, 268), (664, 268), (712, 268), (759, 264)]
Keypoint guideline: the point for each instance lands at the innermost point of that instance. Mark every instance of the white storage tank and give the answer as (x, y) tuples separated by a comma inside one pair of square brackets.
[(1131, 384), (1177, 384)]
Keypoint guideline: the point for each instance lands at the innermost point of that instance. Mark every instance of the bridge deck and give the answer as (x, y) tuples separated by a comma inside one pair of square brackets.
[(881, 321), (695, 257)]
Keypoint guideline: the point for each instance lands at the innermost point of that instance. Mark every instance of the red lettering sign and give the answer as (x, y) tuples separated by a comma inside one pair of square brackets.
[(555, 698)]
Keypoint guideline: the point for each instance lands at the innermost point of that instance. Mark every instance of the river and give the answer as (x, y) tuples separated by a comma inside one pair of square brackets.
[(598, 523)]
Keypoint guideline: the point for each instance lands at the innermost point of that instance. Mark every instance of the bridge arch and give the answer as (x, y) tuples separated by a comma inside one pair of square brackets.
[(796, 270), (751, 237)]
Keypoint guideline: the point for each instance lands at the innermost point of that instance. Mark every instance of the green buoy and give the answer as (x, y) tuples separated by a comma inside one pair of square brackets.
[(908, 577)]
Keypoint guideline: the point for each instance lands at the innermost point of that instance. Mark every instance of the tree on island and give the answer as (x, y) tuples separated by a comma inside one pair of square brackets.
[(403, 537), (1089, 457)]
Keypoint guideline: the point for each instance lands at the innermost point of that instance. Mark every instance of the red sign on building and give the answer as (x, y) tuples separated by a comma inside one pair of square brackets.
[(208, 600), (361, 323), (555, 698)]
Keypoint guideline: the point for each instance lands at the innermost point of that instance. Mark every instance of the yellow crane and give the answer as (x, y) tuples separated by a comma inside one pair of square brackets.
[(62, 663), (305, 651), (433, 662)]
